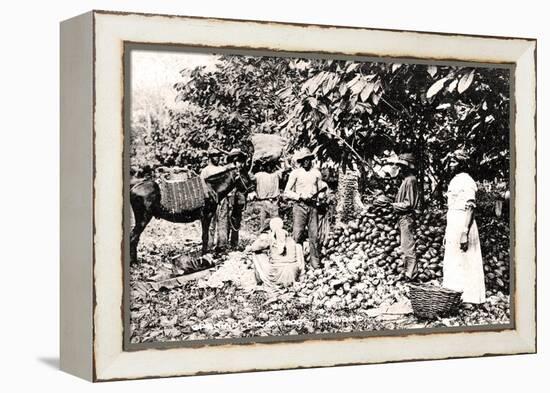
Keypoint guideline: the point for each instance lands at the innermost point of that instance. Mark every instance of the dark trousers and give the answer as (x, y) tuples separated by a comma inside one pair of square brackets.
[(408, 243), (237, 203), (235, 225), (306, 216)]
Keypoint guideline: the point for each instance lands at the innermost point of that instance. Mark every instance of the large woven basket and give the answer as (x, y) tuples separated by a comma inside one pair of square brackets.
[(430, 301), (181, 196)]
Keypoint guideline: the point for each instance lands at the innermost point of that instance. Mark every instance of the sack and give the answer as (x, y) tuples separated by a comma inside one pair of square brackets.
[(267, 147), (174, 173)]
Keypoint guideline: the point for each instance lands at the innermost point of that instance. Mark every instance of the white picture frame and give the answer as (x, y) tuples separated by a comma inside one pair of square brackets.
[(92, 205)]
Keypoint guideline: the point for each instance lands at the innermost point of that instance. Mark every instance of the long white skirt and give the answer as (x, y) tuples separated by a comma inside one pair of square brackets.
[(281, 272), (463, 271)]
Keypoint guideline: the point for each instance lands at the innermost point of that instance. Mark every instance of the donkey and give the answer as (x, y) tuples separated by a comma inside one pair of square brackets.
[(145, 202)]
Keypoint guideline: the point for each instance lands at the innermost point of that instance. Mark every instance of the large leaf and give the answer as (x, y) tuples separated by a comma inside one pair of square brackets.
[(353, 82), (465, 82), (358, 87), (432, 70), (452, 86), (366, 92), (306, 84), (352, 67), (285, 92), (312, 84), (330, 83), (436, 87), (343, 88), (395, 67), (323, 109), (312, 101), (327, 125)]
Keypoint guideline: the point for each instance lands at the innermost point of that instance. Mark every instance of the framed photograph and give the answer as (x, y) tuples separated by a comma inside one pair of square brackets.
[(245, 195)]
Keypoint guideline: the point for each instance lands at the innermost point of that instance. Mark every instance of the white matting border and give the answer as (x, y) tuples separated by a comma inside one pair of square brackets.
[(112, 30)]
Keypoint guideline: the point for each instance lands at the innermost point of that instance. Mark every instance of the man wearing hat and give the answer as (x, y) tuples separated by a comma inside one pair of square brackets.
[(236, 200), (213, 166), (236, 157), (303, 187), (405, 205)]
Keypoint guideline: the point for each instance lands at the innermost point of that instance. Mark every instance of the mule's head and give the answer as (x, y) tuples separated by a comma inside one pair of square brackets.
[(241, 159), (243, 182), (234, 176)]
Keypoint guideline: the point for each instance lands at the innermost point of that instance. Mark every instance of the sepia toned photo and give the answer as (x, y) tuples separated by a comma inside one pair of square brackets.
[(241, 195), (284, 196)]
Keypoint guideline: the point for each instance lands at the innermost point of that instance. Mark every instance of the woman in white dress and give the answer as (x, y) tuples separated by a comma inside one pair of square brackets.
[(463, 264), (278, 259)]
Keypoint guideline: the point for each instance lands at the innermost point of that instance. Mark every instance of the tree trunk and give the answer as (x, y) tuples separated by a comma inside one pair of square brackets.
[(421, 170), (348, 197)]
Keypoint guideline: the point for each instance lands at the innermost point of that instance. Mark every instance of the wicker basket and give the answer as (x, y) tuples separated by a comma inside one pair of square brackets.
[(178, 197), (429, 301)]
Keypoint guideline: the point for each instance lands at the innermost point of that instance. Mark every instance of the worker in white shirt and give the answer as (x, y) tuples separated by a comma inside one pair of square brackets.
[(303, 187), (213, 165)]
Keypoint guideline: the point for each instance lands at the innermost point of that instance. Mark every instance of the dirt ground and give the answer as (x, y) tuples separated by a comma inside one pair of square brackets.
[(225, 302)]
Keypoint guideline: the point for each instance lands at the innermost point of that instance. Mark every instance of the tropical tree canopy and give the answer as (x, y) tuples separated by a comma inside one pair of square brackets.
[(352, 114)]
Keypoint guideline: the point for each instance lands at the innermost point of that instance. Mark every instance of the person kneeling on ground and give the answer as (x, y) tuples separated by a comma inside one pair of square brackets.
[(278, 259)]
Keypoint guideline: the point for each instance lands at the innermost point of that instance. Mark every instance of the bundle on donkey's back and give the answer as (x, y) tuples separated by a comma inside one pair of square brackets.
[(188, 201)]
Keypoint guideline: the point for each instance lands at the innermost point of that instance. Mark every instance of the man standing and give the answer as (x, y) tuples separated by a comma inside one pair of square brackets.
[(236, 200), (213, 167), (267, 192), (406, 205), (303, 187)]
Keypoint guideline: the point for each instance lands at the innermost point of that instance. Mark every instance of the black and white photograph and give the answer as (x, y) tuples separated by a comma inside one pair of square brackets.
[(290, 196)]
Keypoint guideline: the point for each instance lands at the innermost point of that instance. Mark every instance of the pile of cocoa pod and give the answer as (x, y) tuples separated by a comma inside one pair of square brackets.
[(363, 266)]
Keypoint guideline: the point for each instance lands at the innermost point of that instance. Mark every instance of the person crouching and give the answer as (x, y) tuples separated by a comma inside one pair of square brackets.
[(278, 259)]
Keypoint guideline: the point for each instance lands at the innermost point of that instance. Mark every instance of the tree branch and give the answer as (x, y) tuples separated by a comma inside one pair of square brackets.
[(351, 149)]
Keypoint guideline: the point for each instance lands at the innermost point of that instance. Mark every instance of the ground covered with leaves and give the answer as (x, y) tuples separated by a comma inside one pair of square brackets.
[(350, 294)]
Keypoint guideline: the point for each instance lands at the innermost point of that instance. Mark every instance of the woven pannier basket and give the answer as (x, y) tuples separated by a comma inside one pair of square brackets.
[(430, 301), (181, 196)]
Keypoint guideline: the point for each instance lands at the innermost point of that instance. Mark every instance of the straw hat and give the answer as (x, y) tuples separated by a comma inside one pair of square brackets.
[(405, 159), (212, 151), (236, 153), (302, 154)]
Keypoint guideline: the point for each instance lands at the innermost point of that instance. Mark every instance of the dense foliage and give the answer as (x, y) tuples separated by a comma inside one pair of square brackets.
[(351, 113)]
